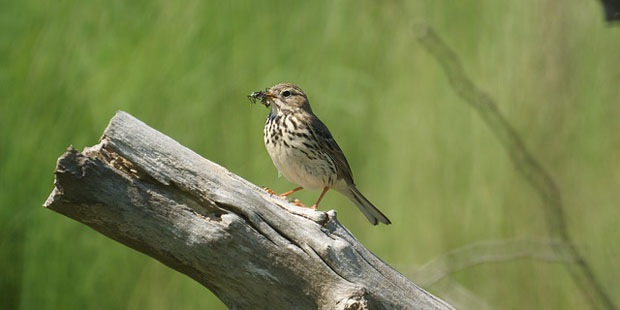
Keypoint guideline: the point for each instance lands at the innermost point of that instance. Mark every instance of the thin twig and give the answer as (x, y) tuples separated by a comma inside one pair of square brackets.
[(459, 296), (488, 251), (523, 160)]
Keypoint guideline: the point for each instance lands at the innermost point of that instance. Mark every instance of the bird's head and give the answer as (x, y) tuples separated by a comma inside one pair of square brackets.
[(283, 97)]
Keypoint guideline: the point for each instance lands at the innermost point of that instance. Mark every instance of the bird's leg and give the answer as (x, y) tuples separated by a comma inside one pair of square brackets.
[(316, 204), (291, 191), (285, 194)]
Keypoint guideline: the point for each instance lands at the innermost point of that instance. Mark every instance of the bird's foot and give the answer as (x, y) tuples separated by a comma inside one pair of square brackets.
[(284, 195), (274, 193), (270, 191), (299, 204)]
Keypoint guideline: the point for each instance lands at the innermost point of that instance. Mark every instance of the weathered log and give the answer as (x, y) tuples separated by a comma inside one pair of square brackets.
[(250, 248)]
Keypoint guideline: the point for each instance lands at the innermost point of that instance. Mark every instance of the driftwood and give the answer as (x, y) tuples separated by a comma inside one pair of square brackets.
[(251, 249)]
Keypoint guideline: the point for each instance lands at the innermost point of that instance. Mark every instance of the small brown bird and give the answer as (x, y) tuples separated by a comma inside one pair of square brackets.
[(304, 151)]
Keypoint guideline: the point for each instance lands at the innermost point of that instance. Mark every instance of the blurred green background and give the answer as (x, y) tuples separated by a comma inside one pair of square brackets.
[(420, 153)]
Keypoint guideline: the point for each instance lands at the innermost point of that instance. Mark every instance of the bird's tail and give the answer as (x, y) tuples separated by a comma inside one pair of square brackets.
[(368, 209)]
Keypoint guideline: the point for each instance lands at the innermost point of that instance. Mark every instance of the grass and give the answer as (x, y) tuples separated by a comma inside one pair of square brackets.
[(416, 149)]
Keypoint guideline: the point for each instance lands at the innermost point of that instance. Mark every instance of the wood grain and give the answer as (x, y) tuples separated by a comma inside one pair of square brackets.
[(251, 249)]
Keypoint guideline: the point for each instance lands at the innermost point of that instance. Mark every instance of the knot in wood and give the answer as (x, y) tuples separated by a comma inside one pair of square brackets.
[(355, 300)]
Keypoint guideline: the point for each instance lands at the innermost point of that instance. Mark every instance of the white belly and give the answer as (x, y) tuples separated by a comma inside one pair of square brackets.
[(309, 168), (296, 167)]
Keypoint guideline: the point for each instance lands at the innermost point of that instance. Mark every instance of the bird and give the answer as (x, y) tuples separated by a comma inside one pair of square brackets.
[(305, 152)]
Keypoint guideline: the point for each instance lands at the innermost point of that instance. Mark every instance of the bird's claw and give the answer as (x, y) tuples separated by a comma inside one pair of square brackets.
[(270, 191), (299, 204), (274, 193)]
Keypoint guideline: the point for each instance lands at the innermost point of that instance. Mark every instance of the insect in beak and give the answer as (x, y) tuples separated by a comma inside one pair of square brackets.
[(263, 96)]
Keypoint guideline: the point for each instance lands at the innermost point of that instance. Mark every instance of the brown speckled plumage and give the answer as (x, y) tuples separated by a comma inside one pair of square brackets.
[(304, 151)]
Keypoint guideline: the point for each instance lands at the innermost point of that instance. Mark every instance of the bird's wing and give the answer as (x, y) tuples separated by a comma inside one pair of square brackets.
[(327, 143)]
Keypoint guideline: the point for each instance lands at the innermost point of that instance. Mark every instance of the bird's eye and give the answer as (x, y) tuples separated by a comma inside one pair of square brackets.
[(286, 93)]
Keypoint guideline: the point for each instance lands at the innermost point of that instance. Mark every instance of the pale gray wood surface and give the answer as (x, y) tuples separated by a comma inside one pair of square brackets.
[(253, 250)]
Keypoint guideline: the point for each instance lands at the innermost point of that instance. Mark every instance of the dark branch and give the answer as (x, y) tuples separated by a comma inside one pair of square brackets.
[(524, 161)]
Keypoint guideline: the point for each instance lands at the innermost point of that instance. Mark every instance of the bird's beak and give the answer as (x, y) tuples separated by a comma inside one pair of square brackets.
[(267, 98), (269, 95)]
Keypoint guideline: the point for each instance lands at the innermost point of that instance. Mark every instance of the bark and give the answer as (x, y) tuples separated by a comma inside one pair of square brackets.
[(251, 249)]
